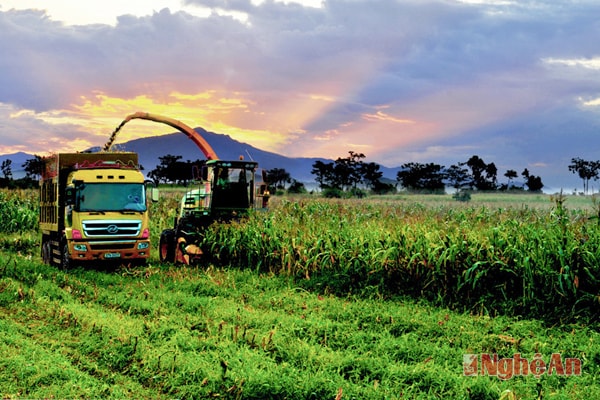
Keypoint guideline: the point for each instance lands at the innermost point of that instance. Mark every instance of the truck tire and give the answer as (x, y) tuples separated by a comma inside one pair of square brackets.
[(166, 246), (46, 252), (65, 257)]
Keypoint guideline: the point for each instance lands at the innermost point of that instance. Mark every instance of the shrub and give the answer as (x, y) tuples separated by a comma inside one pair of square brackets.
[(462, 195)]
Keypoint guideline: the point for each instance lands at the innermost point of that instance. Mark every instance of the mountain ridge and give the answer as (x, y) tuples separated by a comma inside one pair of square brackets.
[(151, 148)]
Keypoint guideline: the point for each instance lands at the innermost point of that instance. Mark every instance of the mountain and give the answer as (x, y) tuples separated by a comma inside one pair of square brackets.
[(18, 159), (151, 148)]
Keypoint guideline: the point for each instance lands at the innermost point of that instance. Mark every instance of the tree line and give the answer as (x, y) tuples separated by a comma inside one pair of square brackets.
[(33, 170), (350, 174), (475, 174), (587, 170), (347, 173)]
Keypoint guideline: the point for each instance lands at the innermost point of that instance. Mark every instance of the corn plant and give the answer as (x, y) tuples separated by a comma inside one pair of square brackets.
[(18, 211)]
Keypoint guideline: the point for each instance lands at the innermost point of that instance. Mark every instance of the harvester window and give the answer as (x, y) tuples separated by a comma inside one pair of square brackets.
[(223, 175), (232, 189)]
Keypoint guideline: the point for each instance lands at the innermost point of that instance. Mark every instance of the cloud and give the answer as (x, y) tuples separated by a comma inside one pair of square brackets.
[(24, 130)]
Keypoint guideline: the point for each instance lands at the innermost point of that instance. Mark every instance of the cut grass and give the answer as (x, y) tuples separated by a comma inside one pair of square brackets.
[(164, 332)]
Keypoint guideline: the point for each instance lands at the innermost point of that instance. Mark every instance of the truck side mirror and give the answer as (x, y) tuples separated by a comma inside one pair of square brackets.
[(70, 196), (154, 194)]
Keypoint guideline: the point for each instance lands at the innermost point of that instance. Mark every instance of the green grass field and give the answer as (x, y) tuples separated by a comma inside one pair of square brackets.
[(308, 301)]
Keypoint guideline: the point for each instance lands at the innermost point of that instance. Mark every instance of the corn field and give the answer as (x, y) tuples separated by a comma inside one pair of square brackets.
[(18, 211), (525, 261)]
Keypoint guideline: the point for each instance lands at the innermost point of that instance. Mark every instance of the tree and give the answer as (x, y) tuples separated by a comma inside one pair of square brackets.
[(323, 173), (164, 170), (34, 167), (296, 187), (6, 168), (491, 173), (457, 176), (172, 170), (533, 183), (371, 174), (344, 173), (418, 176), (371, 177), (586, 170), (484, 175), (348, 170), (278, 177), (510, 174), (380, 187)]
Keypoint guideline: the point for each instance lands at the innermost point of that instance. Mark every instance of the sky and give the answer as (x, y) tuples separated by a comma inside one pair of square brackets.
[(515, 82)]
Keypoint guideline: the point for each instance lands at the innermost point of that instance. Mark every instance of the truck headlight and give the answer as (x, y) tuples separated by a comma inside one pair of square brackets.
[(143, 245), (80, 247)]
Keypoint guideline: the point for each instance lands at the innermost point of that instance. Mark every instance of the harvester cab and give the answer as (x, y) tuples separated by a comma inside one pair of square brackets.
[(225, 190)]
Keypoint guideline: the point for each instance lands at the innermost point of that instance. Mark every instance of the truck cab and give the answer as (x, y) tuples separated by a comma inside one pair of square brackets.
[(94, 208)]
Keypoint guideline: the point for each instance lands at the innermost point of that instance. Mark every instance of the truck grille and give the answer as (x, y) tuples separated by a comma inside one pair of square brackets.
[(112, 246), (112, 228)]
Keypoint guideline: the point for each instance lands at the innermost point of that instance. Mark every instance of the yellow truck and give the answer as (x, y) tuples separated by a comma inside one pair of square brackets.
[(93, 208)]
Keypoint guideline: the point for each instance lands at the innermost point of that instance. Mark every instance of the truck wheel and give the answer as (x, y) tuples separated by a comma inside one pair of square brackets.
[(46, 252), (166, 247), (65, 259)]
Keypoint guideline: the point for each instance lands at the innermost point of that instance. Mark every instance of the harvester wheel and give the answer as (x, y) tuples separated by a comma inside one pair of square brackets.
[(166, 247)]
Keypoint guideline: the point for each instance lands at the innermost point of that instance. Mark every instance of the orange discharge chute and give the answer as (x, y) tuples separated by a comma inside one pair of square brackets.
[(189, 132)]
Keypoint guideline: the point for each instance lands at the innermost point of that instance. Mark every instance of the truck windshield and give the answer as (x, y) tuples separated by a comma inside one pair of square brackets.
[(111, 197)]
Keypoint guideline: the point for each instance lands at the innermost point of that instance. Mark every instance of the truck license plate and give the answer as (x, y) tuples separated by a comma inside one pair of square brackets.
[(112, 255)]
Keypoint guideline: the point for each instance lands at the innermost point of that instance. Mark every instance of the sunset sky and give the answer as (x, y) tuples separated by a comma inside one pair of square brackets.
[(514, 82)]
